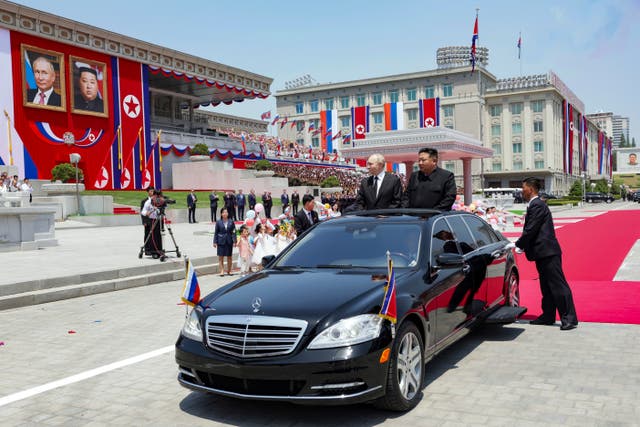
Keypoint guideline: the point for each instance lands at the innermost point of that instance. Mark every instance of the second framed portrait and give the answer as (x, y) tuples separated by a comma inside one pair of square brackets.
[(88, 87)]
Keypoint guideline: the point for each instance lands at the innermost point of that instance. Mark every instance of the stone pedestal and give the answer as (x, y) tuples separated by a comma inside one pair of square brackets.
[(27, 228)]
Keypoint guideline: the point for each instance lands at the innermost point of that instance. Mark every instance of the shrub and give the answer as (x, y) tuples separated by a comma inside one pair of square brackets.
[(200, 149), (330, 181), (263, 165), (64, 172)]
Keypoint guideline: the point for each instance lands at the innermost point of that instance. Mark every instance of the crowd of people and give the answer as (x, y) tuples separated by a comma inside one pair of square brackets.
[(10, 184)]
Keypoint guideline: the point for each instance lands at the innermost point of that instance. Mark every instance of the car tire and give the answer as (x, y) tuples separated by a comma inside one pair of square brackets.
[(406, 371), (512, 290)]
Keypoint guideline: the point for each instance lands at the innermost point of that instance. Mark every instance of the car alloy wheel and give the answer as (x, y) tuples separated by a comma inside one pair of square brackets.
[(513, 290), (406, 373)]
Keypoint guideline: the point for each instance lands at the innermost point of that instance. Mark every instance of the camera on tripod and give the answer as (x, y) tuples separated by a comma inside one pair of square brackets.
[(160, 202)]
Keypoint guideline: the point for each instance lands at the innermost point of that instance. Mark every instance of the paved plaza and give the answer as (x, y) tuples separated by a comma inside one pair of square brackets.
[(107, 359)]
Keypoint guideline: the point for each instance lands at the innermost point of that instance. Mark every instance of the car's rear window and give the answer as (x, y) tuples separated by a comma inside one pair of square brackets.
[(357, 245)]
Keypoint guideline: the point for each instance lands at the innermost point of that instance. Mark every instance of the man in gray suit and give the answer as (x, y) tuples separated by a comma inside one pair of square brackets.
[(381, 190)]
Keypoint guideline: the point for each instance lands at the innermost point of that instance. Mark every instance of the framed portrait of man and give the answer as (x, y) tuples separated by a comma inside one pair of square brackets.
[(43, 78), (88, 86)]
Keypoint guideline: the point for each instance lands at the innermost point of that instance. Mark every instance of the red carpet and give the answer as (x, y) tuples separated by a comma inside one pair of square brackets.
[(592, 251)]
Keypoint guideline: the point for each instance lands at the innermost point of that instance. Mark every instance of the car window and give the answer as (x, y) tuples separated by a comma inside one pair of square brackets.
[(442, 240), (462, 234), (482, 232), (355, 244)]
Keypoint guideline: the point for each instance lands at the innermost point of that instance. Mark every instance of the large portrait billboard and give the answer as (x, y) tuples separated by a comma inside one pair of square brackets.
[(42, 78), (88, 87), (628, 160)]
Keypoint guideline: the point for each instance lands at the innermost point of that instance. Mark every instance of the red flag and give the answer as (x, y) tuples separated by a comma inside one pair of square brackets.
[(359, 121), (103, 179), (266, 115), (429, 112)]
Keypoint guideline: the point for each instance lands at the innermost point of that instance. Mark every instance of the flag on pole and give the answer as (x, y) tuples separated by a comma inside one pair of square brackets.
[(275, 119), (191, 289), (244, 143), (474, 39), (266, 115), (519, 44), (388, 310)]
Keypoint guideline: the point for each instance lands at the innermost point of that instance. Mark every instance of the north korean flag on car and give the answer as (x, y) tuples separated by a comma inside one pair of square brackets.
[(388, 309), (131, 89)]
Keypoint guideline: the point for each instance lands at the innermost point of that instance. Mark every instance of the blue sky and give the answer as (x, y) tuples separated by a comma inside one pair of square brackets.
[(592, 45)]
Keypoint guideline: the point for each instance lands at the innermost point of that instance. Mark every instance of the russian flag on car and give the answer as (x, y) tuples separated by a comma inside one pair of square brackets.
[(393, 116), (191, 289)]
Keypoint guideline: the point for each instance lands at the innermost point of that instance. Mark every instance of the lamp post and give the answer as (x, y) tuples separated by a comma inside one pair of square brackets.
[(74, 159), (584, 187)]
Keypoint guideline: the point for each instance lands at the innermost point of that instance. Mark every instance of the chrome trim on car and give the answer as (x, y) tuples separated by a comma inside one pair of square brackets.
[(199, 387), (187, 372), (251, 336), (337, 386)]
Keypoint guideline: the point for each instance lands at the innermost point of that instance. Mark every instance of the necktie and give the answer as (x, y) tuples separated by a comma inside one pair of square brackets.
[(375, 183), (310, 218), (41, 101)]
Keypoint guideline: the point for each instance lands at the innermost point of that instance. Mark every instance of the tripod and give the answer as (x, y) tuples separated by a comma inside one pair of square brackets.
[(158, 233)]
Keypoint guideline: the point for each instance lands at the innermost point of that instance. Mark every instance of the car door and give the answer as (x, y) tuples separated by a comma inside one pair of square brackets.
[(492, 250), (443, 279)]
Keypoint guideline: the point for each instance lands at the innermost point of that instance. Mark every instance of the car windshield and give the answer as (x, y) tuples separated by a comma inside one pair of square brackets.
[(353, 245)]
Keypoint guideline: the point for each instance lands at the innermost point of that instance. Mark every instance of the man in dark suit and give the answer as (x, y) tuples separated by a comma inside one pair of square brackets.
[(381, 190), (241, 200), (87, 92), (252, 199), (267, 202), (45, 76), (191, 204), (431, 187), (213, 205), (538, 240), (295, 200), (306, 216)]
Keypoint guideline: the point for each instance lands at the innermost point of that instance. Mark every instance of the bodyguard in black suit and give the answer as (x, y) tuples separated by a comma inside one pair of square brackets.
[(538, 240), (431, 187), (381, 190), (302, 221)]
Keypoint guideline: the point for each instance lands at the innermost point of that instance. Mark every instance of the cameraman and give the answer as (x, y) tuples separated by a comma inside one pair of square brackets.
[(152, 210), (146, 221)]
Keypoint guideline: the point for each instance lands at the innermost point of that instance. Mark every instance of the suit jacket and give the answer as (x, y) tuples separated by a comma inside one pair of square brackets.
[(213, 200), (252, 200), (54, 99), (301, 221), (538, 239), (389, 196), (191, 200), (434, 191), (224, 236)]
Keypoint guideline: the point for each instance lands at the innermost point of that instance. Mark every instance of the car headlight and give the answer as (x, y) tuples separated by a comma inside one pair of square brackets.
[(353, 330), (191, 328)]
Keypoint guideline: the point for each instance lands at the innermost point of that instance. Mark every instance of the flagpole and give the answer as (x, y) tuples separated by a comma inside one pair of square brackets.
[(9, 138), (186, 272), (520, 51)]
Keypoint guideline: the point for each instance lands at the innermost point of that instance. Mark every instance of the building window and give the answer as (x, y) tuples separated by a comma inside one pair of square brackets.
[(538, 146), (450, 166), (496, 130), (495, 110), (377, 118), (496, 167), (411, 94), (515, 108), (316, 123), (517, 147), (361, 100), (447, 90), (328, 104), (447, 111), (299, 108), (315, 142), (539, 164), (497, 149), (345, 121), (537, 106), (344, 102), (393, 96), (429, 92), (537, 126), (516, 128), (449, 126), (300, 141), (412, 115), (314, 105), (300, 125), (517, 165), (377, 98)]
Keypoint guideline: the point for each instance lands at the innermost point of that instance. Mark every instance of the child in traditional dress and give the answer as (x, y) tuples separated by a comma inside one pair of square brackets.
[(245, 251)]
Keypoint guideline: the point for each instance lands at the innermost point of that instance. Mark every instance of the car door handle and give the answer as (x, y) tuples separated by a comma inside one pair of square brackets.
[(497, 254), (466, 269)]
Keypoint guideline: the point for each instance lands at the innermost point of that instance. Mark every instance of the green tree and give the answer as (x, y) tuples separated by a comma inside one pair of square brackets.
[(633, 141), (200, 149), (623, 141), (576, 189), (263, 165), (65, 172), (330, 181)]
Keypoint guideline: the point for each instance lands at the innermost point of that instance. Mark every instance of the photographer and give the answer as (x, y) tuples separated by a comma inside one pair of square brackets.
[(153, 210)]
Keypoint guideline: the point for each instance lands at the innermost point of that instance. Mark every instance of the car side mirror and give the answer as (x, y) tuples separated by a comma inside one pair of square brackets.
[(266, 260), (449, 260)]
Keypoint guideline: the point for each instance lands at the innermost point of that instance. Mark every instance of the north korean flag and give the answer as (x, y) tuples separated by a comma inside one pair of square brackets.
[(359, 121), (429, 112)]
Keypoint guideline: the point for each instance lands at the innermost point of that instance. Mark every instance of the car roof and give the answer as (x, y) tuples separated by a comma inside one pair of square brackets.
[(397, 214)]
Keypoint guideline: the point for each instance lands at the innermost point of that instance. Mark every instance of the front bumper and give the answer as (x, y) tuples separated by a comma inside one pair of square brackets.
[(329, 376)]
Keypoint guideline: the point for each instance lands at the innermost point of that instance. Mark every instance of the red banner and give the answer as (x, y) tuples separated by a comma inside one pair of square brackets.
[(359, 122)]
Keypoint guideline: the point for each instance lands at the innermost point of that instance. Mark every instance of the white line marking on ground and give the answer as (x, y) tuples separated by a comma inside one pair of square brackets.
[(82, 376)]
